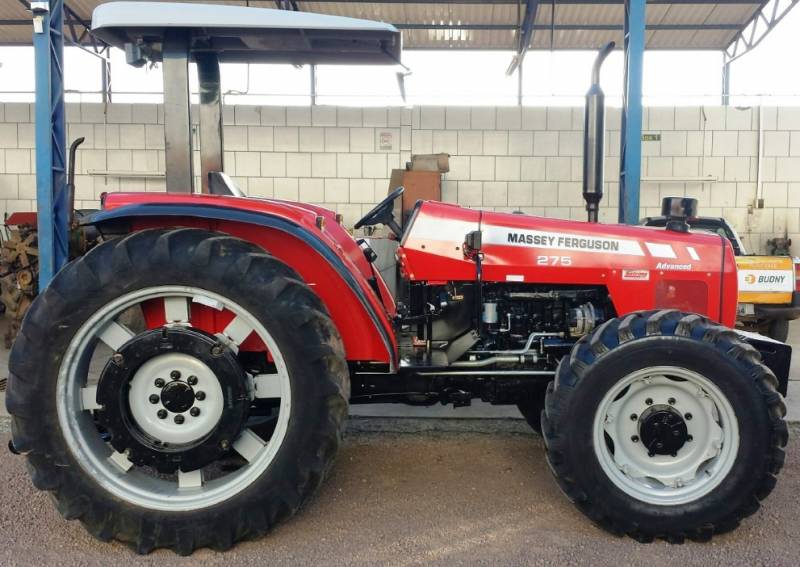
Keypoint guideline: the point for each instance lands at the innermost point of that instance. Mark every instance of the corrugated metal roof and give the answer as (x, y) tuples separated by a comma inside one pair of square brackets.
[(493, 24)]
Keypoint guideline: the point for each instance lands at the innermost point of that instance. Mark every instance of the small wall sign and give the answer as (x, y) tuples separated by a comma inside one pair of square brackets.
[(386, 141)]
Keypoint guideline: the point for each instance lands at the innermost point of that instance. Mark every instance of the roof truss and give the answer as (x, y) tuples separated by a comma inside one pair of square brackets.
[(733, 26), (78, 30), (763, 22)]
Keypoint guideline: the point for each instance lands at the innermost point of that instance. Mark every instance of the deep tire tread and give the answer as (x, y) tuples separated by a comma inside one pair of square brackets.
[(231, 260), (635, 326)]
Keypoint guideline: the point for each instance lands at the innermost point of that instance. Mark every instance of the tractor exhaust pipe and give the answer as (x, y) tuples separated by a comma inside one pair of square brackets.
[(73, 149), (593, 134)]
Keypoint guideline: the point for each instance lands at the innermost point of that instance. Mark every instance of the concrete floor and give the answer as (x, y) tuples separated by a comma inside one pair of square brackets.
[(414, 493)]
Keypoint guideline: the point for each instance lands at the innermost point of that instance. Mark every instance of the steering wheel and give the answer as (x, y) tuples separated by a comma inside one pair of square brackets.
[(383, 213)]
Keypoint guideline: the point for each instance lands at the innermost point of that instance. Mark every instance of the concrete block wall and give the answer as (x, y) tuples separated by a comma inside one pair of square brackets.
[(502, 158)]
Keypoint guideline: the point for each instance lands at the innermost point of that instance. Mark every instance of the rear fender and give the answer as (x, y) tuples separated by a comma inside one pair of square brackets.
[(356, 311)]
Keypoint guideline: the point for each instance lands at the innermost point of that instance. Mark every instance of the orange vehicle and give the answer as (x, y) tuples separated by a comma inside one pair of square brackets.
[(768, 295)]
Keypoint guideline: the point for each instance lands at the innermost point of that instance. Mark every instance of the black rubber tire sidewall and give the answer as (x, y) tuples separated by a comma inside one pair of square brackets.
[(261, 285), (699, 357), (778, 329), (532, 407), (664, 338)]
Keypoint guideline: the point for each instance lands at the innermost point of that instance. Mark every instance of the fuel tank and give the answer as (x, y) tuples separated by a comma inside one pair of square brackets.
[(641, 267)]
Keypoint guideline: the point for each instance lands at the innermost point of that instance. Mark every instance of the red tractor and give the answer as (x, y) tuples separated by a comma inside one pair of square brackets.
[(186, 382)]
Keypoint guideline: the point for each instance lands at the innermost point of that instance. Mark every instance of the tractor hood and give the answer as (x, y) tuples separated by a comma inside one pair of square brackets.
[(636, 264)]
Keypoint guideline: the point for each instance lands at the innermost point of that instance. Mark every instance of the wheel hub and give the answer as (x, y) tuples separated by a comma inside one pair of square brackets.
[(173, 398), (177, 397), (662, 430), (172, 411)]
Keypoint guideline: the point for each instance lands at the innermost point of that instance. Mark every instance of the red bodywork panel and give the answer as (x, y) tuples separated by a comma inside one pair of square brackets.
[(642, 268), (365, 337), (21, 218)]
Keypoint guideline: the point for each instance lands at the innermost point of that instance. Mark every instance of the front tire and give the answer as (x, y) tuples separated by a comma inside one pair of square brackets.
[(664, 425), (177, 477)]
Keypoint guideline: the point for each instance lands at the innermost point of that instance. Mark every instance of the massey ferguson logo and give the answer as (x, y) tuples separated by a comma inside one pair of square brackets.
[(547, 241)]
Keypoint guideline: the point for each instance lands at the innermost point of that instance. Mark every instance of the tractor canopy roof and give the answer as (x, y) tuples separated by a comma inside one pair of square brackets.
[(240, 34)]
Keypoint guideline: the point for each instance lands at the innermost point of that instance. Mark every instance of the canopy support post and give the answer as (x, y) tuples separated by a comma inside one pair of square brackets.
[(211, 131), (177, 113)]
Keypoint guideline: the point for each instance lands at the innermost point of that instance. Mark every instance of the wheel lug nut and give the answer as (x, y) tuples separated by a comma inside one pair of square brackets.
[(159, 382), (688, 417), (175, 375), (649, 401), (194, 412), (671, 401), (153, 399), (162, 414), (201, 395), (634, 417), (635, 438), (179, 419), (191, 380)]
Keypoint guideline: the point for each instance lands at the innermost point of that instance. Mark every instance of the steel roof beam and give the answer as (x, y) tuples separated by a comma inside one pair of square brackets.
[(421, 26), (568, 27), (72, 21), (514, 2), (752, 33), (557, 27), (525, 35)]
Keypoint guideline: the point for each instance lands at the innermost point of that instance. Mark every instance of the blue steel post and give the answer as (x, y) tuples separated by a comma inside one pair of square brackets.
[(631, 127), (53, 213)]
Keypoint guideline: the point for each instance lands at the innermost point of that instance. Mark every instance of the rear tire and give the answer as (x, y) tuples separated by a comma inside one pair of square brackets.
[(606, 470), (272, 296)]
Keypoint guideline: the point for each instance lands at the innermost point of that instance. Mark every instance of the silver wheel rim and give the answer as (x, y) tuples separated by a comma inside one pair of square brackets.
[(75, 402), (698, 467)]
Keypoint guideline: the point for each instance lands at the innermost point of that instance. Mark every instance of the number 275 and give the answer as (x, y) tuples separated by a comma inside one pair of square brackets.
[(553, 261)]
